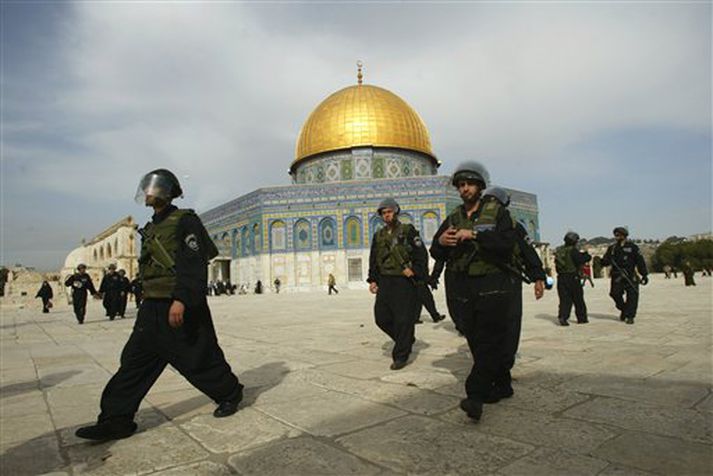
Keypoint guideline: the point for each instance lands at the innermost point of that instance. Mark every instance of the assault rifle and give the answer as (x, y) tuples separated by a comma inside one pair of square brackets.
[(156, 250), (623, 273)]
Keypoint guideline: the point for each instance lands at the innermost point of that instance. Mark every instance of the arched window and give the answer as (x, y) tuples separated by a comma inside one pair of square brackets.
[(235, 251), (532, 230), (278, 236), (101, 253), (95, 254), (256, 246), (375, 224), (116, 246), (352, 232), (108, 250), (327, 234), (224, 244), (244, 241), (302, 235), (429, 226)]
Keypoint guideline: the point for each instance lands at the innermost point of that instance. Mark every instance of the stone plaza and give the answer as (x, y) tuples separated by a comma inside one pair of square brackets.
[(599, 399)]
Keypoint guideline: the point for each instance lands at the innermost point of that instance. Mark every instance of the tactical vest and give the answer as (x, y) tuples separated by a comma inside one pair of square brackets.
[(564, 261), (158, 252), (468, 257), (393, 251)]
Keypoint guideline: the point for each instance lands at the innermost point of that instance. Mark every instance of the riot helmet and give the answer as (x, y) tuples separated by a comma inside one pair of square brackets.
[(389, 202), (571, 238), (81, 266), (621, 230), (159, 183), (471, 170), (499, 193)]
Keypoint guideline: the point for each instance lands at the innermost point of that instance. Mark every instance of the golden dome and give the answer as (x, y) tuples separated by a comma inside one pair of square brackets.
[(362, 115)]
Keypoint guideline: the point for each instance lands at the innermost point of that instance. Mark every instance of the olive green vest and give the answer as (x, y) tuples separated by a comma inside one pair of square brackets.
[(564, 261), (467, 257), (158, 252), (393, 251)]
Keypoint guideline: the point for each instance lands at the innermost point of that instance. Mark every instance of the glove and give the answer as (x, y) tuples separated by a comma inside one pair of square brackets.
[(644, 280)]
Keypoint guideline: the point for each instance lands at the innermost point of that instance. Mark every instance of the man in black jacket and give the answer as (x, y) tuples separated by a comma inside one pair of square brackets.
[(569, 260), (625, 259), (477, 242), (80, 282), (174, 324), (110, 289), (397, 261)]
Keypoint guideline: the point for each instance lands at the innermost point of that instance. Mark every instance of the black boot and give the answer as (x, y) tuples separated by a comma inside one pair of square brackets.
[(229, 407), (110, 430), (438, 317), (472, 408)]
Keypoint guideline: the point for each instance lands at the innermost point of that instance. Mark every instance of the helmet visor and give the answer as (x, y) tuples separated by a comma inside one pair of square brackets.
[(154, 185)]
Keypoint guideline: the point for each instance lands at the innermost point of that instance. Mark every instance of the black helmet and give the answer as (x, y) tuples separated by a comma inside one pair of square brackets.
[(571, 238), (621, 230), (160, 183), (81, 266), (499, 194), (389, 203), (471, 170)]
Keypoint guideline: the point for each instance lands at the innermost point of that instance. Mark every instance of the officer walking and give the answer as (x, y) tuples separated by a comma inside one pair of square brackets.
[(174, 324), (137, 290), (568, 261), (124, 291), (527, 267), (625, 259), (425, 297), (397, 259), (46, 294), (451, 303), (80, 282), (477, 241), (110, 289)]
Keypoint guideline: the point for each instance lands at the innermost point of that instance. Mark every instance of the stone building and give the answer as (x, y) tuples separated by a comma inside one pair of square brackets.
[(116, 244), (361, 144)]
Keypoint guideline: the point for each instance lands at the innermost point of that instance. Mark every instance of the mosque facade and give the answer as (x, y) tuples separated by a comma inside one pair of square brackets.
[(360, 145)]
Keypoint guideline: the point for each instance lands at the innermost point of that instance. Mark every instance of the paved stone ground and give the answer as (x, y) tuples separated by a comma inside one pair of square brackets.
[(603, 398)]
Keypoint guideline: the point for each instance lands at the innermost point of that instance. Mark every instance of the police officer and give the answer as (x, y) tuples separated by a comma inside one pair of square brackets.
[(625, 259), (527, 267), (397, 259), (426, 300), (174, 324), (110, 289), (568, 261), (433, 281), (477, 241), (124, 291), (80, 282), (137, 290)]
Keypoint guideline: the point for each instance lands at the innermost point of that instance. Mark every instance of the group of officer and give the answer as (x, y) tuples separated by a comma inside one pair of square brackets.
[(486, 254), (628, 271), (114, 291)]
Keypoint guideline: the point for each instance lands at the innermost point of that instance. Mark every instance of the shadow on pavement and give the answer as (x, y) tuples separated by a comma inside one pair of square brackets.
[(611, 317), (548, 317), (24, 387)]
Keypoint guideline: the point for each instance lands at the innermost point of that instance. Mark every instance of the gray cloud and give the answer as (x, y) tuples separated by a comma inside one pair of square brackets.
[(218, 92)]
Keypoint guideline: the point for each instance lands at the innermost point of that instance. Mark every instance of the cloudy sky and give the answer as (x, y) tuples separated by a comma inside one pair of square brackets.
[(602, 109)]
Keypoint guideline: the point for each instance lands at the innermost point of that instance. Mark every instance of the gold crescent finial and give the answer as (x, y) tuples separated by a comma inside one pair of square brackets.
[(360, 76)]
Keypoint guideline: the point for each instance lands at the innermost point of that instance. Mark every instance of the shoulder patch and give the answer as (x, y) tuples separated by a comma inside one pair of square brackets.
[(192, 242), (418, 241)]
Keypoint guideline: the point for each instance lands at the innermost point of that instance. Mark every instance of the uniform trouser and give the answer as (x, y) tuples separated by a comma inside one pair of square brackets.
[(192, 349), (112, 303), (123, 298), (394, 310), (618, 289), (425, 297), (79, 302), (485, 324), (45, 304), (137, 298), (332, 288), (512, 334), (570, 292), (453, 303)]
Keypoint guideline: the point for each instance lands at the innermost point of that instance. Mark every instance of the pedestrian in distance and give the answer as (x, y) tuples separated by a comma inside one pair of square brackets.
[(125, 290), (110, 289), (174, 324), (625, 259), (396, 261), (277, 284), (46, 294), (332, 284), (81, 284)]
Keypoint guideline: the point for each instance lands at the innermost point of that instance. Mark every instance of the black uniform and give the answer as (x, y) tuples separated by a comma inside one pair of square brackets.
[(569, 289), (124, 295), (137, 291), (80, 284), (531, 266), (425, 297), (110, 288), (192, 349), (450, 283), (397, 301), (625, 260), (46, 294), (482, 301)]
